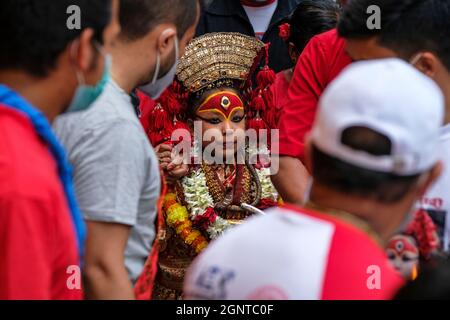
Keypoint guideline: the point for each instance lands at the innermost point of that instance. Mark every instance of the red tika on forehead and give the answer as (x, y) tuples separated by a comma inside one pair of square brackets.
[(225, 103)]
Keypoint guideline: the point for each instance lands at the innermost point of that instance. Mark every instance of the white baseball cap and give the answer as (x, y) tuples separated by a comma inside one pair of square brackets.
[(392, 98)]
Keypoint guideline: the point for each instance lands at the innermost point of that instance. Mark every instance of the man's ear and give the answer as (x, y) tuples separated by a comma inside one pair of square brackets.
[(428, 64), (428, 179), (82, 51), (165, 37)]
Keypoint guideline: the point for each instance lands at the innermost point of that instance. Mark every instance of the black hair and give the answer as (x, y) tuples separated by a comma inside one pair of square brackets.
[(35, 32), (433, 282), (139, 17), (310, 18), (350, 179), (407, 26)]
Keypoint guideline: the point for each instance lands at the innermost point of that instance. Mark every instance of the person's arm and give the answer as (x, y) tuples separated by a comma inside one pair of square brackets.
[(111, 168), (291, 180), (105, 274), (297, 117)]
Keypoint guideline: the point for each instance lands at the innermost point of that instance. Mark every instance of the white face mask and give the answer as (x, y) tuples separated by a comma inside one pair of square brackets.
[(155, 88), (415, 59)]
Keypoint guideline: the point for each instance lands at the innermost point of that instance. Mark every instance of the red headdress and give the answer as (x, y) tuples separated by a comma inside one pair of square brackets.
[(423, 229), (262, 110)]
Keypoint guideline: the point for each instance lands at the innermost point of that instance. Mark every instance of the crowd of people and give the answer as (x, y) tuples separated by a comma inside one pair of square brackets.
[(224, 149)]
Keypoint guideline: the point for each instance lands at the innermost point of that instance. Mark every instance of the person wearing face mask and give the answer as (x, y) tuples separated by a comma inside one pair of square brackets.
[(256, 18), (117, 176), (62, 70)]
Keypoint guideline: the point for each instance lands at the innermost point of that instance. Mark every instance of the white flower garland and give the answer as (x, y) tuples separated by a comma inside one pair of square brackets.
[(196, 193), (198, 198), (268, 189)]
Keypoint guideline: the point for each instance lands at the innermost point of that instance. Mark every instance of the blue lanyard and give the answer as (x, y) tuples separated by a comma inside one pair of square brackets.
[(40, 123)]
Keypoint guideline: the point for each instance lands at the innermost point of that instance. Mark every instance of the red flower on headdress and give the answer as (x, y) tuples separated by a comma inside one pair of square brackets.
[(425, 232), (285, 31)]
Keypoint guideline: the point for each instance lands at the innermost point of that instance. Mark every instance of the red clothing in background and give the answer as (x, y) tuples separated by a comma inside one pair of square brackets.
[(279, 90), (38, 246), (146, 106), (321, 61)]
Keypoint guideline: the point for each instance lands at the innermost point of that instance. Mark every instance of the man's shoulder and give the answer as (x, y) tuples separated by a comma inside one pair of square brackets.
[(281, 234), (291, 252), (26, 165), (292, 222), (328, 44), (332, 49), (329, 38)]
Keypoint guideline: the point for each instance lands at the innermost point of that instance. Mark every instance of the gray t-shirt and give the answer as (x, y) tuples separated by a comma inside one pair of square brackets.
[(116, 171)]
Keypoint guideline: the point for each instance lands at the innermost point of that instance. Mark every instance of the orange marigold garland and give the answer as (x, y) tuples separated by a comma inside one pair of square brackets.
[(177, 217)]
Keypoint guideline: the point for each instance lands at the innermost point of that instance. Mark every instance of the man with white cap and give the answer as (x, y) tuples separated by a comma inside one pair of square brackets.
[(373, 152)]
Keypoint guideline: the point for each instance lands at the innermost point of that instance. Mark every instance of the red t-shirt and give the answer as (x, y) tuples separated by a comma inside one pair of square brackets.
[(39, 255), (322, 60)]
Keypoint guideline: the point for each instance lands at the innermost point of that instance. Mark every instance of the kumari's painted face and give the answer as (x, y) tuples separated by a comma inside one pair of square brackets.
[(223, 117)]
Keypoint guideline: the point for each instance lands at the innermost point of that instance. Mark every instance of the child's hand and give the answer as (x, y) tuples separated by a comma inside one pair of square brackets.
[(177, 169), (170, 163), (164, 153)]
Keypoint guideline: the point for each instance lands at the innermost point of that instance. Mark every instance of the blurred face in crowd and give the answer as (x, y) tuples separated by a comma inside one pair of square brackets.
[(403, 253)]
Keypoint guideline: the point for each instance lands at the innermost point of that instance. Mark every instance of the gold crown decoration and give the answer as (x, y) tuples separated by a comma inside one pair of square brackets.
[(218, 56)]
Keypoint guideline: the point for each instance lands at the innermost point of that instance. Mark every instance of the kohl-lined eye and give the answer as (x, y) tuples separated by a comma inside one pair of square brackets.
[(237, 119), (214, 121)]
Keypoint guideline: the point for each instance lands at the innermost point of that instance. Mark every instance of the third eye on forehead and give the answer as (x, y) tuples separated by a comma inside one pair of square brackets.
[(219, 115)]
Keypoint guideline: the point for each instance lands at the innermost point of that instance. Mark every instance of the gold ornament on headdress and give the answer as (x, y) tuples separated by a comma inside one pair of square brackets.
[(220, 56)]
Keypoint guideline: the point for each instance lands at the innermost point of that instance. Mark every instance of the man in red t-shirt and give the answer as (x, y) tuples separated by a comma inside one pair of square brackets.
[(370, 164), (41, 66), (321, 61)]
